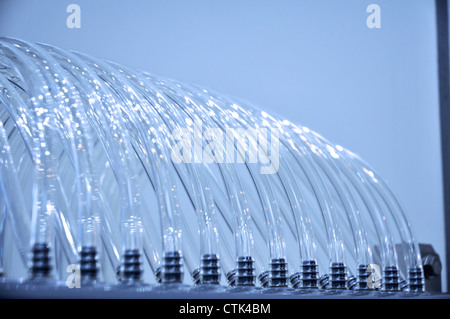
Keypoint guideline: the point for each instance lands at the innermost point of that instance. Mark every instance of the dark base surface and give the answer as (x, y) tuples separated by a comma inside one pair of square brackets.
[(54, 290)]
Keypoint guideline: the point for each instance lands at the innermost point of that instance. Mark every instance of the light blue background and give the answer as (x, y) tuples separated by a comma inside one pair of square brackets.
[(373, 91)]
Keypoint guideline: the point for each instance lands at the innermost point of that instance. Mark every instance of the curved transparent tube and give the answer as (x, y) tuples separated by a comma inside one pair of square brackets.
[(46, 206), (104, 115), (101, 142), (79, 136)]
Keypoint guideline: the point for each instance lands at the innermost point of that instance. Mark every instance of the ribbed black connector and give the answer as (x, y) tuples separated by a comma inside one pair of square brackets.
[(231, 278), (131, 268), (210, 269), (263, 279), (324, 281), (415, 279), (40, 261), (278, 273), (351, 283), (172, 267), (390, 279), (88, 264), (158, 275), (362, 278), (309, 275), (245, 271), (403, 284), (338, 275), (295, 280), (196, 276)]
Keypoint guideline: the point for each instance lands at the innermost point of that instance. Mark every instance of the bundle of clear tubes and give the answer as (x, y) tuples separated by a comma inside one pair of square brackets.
[(136, 181)]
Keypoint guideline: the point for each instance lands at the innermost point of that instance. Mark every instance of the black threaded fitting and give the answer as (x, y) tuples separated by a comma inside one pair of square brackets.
[(351, 282), (245, 272), (196, 276), (278, 273), (403, 284), (324, 281), (131, 268), (158, 275), (390, 279), (309, 274), (210, 269), (263, 279), (172, 267), (40, 261), (362, 277), (295, 280), (88, 264), (415, 279), (338, 275), (231, 278)]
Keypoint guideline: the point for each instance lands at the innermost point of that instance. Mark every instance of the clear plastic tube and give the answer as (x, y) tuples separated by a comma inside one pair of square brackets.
[(99, 139), (200, 190), (45, 200), (204, 115), (138, 123), (269, 205), (410, 248), (306, 171), (2, 234), (105, 116), (10, 188)]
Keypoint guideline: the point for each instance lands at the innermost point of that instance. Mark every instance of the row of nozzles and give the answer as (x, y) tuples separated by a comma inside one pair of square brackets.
[(244, 275), (116, 170)]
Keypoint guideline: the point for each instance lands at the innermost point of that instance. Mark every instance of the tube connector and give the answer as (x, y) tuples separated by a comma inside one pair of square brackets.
[(278, 273), (324, 281), (295, 280), (131, 268), (88, 264), (245, 271), (415, 279), (309, 275), (40, 261), (158, 275), (351, 282), (172, 267), (210, 269), (196, 276), (263, 279), (403, 284), (362, 277), (338, 275), (243, 274), (231, 278), (391, 281)]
